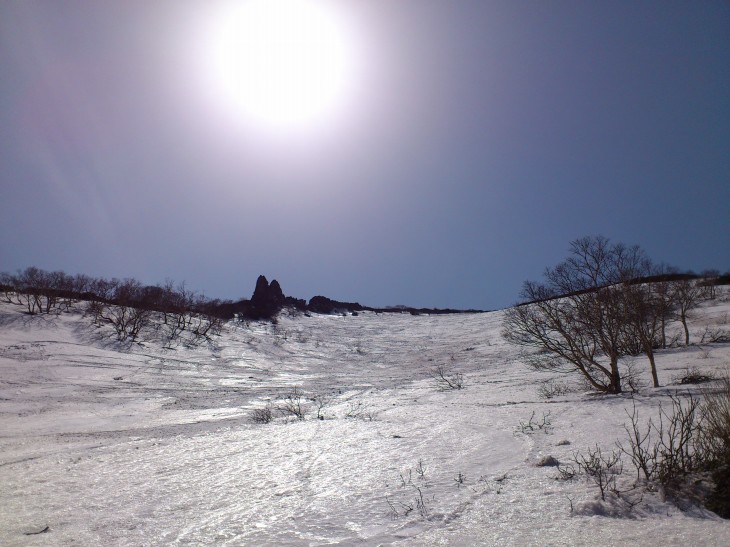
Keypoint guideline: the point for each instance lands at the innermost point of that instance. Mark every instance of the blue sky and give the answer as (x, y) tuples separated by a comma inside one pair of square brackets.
[(472, 142)]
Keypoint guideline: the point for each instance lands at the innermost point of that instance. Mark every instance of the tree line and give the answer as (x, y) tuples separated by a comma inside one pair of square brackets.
[(604, 302), (125, 304)]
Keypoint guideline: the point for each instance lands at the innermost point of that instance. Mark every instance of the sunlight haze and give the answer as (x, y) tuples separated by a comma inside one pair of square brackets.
[(426, 153), (277, 64)]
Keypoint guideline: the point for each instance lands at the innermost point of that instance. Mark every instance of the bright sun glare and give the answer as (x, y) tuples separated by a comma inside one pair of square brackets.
[(278, 63)]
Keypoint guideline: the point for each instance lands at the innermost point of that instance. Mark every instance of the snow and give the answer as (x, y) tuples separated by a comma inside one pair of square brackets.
[(123, 445)]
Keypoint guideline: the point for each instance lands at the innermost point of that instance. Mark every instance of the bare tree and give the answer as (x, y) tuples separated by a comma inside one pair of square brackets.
[(709, 282), (645, 310), (29, 284), (103, 290), (687, 294), (663, 303), (123, 310), (577, 318), (57, 289), (7, 286), (127, 321)]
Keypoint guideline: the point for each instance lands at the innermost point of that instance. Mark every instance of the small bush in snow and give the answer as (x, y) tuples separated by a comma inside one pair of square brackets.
[(601, 468), (405, 504), (321, 401), (685, 446), (533, 424), (551, 389), (633, 378), (262, 415), (460, 479), (421, 470), (446, 379), (671, 449), (294, 405), (357, 410), (691, 375), (714, 335), (716, 445)]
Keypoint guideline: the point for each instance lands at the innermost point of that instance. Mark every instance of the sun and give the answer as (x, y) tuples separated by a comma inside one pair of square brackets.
[(278, 63)]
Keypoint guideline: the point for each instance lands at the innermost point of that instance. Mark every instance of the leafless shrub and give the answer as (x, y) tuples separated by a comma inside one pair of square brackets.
[(460, 479), (200, 326), (601, 468), (421, 470), (127, 321), (567, 471), (95, 308), (358, 410), (714, 335), (533, 425), (691, 375), (551, 389), (643, 453), (262, 415), (716, 418), (689, 442), (715, 444), (173, 326), (446, 379), (354, 409), (420, 502), (404, 507), (397, 508), (673, 342), (669, 450), (204, 326), (294, 405), (632, 377), (677, 435), (320, 402)]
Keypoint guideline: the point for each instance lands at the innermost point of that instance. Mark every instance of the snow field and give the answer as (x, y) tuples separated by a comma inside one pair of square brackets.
[(106, 444)]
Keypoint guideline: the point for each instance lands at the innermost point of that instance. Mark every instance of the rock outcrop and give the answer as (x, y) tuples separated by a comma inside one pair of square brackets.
[(322, 304), (268, 300)]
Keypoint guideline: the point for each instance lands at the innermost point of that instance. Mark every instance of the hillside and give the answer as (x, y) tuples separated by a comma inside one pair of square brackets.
[(103, 442)]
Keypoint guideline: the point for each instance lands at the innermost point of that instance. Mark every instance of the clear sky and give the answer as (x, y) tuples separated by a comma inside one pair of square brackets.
[(419, 152)]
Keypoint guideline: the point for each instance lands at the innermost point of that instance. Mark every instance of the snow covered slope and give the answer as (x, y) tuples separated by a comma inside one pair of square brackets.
[(104, 444)]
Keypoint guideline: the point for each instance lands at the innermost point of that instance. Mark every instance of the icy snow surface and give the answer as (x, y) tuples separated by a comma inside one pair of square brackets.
[(106, 444)]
